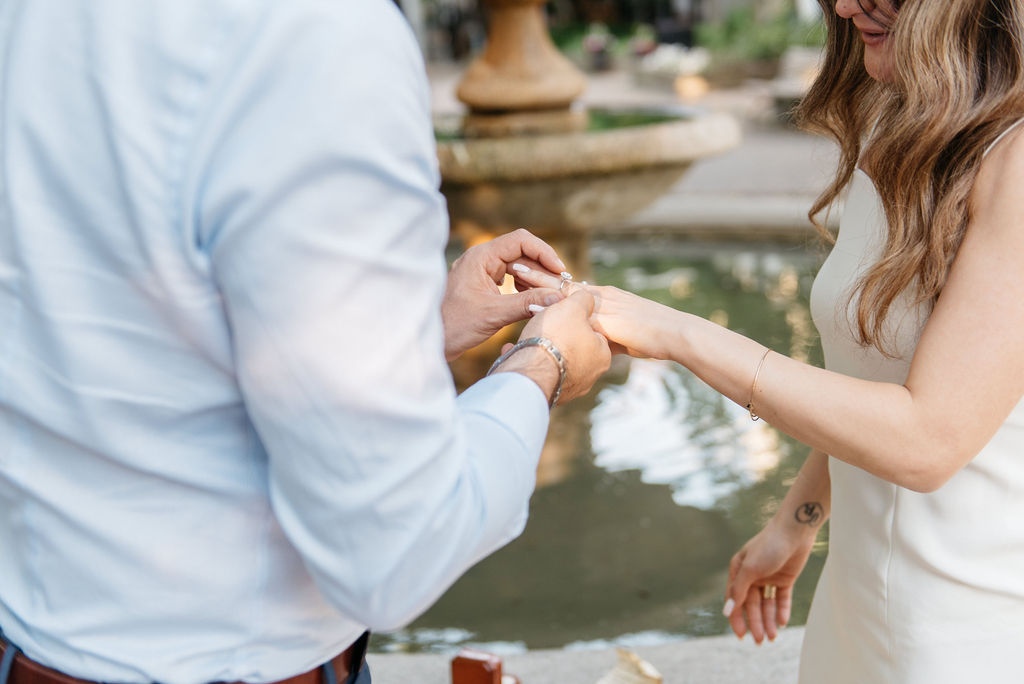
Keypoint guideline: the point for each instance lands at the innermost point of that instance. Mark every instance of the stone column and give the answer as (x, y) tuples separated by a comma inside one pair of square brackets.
[(520, 69)]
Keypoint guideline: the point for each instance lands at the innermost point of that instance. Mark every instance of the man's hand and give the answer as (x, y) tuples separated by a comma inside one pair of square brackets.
[(474, 308), (586, 353)]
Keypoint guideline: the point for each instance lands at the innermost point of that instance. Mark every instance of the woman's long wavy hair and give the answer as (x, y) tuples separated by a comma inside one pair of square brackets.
[(958, 83)]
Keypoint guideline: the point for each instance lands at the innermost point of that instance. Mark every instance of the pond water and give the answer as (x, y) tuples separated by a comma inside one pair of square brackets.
[(648, 485), (448, 127)]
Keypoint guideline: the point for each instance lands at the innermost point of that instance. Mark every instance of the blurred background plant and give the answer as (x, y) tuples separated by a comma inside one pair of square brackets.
[(749, 42), (744, 38)]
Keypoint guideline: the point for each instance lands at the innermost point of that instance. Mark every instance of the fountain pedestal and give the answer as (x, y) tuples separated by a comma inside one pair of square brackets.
[(520, 69)]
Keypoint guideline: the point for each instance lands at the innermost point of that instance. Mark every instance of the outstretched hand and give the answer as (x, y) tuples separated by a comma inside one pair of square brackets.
[(474, 308), (632, 324)]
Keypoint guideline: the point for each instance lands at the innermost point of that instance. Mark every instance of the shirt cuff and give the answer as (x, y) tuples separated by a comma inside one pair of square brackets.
[(515, 401)]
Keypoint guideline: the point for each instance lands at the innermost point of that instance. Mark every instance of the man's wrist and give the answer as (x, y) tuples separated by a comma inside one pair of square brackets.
[(539, 364)]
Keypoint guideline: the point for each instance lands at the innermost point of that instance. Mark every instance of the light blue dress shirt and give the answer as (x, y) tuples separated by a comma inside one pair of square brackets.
[(228, 438)]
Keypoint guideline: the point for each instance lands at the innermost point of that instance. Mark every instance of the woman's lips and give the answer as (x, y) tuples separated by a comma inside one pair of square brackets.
[(873, 38)]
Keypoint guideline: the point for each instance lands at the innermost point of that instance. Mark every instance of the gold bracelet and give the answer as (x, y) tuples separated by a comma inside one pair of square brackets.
[(753, 387)]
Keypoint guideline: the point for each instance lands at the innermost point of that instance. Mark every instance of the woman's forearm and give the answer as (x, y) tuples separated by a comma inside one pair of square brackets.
[(873, 425), (965, 375), (808, 502)]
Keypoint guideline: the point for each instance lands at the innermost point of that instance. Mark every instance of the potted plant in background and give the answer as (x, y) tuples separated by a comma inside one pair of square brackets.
[(744, 45), (598, 42)]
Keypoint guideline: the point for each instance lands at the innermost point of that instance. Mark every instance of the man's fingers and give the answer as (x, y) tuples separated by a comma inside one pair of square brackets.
[(581, 298), (520, 243), (538, 250), (518, 306)]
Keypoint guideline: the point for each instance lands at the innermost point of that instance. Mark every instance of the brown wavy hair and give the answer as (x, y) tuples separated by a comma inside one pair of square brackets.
[(958, 83)]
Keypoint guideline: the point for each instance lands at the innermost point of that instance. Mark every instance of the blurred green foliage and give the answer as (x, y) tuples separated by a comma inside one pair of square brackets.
[(744, 35), (570, 38)]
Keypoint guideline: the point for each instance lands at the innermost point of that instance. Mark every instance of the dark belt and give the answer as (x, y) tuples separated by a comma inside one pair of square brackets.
[(17, 668)]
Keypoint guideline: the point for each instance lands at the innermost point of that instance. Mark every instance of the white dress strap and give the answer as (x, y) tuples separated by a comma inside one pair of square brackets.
[(1002, 135)]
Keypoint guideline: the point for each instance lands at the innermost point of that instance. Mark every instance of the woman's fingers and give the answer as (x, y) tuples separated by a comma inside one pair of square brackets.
[(752, 606), (520, 270), (738, 622), (733, 609), (534, 276), (769, 609), (785, 600)]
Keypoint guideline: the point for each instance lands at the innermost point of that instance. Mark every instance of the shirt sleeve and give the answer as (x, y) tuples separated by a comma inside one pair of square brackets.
[(319, 213)]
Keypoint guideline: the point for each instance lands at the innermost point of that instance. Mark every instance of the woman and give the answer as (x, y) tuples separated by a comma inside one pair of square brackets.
[(920, 307)]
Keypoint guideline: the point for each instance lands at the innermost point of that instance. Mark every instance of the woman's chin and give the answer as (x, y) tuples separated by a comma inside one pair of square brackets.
[(878, 69)]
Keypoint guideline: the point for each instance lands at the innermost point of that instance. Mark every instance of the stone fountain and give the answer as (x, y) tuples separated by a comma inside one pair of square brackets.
[(525, 156)]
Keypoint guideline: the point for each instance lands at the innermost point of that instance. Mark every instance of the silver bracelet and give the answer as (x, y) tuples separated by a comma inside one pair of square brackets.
[(548, 346)]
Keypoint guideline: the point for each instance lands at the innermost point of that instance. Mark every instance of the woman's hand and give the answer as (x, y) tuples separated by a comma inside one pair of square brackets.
[(777, 554), (634, 325), (774, 557)]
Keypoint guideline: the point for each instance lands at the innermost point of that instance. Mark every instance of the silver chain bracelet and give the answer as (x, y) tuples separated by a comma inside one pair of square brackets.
[(548, 346)]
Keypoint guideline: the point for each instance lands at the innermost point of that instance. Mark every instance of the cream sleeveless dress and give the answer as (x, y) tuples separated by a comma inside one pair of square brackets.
[(917, 588)]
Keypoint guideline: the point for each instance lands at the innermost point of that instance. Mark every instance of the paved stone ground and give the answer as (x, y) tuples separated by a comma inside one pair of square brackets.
[(708, 660)]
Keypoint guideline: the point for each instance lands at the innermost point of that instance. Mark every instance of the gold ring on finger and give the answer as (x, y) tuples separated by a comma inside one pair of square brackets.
[(768, 591)]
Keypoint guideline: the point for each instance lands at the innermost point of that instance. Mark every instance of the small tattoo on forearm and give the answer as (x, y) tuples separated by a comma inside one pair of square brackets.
[(809, 513)]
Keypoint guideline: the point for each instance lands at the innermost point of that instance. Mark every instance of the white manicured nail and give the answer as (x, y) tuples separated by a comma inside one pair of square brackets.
[(536, 308), (728, 607), (520, 268)]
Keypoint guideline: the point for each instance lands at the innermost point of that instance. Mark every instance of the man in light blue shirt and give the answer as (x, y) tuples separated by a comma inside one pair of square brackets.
[(229, 441)]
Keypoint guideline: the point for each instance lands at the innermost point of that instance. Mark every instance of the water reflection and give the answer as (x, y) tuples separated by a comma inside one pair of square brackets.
[(649, 484), (703, 446)]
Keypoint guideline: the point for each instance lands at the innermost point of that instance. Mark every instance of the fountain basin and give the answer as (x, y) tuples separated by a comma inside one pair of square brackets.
[(575, 181)]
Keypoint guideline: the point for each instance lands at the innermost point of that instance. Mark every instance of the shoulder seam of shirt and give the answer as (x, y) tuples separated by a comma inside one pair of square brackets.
[(231, 58)]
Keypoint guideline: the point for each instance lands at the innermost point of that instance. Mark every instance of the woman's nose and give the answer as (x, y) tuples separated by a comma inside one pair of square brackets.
[(848, 8)]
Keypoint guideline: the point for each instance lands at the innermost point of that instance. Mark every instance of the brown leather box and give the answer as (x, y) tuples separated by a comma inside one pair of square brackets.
[(477, 667)]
